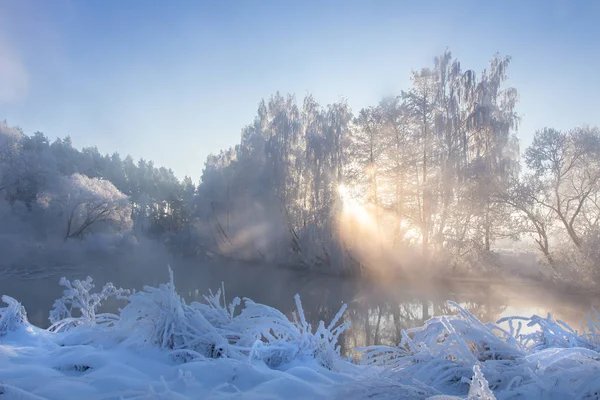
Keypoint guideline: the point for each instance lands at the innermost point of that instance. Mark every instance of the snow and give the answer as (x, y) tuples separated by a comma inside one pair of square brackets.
[(160, 347)]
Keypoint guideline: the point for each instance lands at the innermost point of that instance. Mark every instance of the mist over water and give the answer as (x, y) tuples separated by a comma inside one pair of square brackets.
[(378, 310)]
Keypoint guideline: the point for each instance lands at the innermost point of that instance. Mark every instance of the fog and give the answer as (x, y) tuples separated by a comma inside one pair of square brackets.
[(377, 310)]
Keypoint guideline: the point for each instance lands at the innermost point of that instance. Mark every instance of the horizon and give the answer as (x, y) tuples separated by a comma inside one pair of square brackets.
[(175, 84)]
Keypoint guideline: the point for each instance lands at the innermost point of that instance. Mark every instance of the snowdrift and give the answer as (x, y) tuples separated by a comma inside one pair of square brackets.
[(159, 347)]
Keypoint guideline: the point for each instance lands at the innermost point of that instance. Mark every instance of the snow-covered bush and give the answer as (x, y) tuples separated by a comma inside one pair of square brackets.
[(160, 317), (444, 353), (78, 296), (13, 316), (219, 315), (552, 334), (461, 338), (277, 340), (479, 388)]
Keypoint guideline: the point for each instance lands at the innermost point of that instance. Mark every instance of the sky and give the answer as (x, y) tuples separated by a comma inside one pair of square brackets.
[(175, 81)]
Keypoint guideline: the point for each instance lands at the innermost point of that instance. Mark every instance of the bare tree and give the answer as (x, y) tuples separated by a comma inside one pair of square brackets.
[(567, 166), (531, 218)]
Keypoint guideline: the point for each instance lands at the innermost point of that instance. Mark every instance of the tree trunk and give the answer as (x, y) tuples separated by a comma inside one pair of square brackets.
[(426, 199), (487, 226)]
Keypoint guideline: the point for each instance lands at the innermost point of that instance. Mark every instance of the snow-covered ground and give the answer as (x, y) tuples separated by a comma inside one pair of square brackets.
[(160, 347)]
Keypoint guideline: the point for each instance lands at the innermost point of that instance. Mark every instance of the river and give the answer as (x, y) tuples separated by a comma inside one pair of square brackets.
[(378, 311)]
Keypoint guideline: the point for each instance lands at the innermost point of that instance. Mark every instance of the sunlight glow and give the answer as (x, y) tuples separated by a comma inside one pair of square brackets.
[(361, 226), (352, 210), (356, 221), (343, 191)]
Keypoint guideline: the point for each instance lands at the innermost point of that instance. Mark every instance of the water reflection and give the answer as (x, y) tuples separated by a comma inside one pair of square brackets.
[(378, 312)]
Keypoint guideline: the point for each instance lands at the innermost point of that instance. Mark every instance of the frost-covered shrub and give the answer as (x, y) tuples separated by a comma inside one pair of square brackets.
[(277, 340), (479, 388), (574, 267), (552, 334), (219, 315), (78, 296), (460, 338), (13, 316), (444, 352), (160, 317)]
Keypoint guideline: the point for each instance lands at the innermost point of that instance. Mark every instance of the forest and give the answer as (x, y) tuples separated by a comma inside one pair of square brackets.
[(431, 180)]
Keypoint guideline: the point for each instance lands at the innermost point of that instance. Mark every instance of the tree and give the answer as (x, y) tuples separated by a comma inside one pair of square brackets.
[(367, 146), (567, 165), (89, 204), (531, 218), (27, 164), (9, 147), (398, 158), (420, 103)]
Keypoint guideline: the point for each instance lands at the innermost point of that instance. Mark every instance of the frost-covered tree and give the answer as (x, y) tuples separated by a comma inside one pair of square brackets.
[(88, 204), (530, 217), (420, 102), (494, 150), (274, 196), (568, 168), (427, 163), (9, 165), (366, 149), (27, 166)]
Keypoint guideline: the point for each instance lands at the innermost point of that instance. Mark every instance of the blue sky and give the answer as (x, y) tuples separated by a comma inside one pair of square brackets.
[(175, 81)]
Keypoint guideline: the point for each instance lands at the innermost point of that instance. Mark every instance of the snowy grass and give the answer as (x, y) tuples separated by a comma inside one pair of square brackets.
[(159, 347), (553, 362)]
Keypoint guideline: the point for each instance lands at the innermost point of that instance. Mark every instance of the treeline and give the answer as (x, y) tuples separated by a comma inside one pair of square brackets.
[(420, 169), (53, 193), (434, 172)]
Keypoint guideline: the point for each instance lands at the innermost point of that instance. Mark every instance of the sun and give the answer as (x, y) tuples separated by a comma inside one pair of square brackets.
[(352, 210), (343, 191)]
